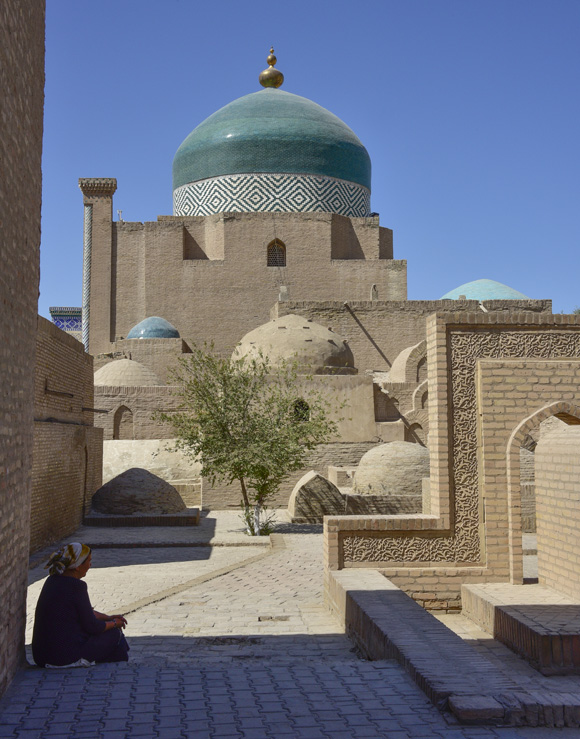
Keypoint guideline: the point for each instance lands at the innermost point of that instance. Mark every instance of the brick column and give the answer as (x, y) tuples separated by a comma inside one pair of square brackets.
[(97, 262)]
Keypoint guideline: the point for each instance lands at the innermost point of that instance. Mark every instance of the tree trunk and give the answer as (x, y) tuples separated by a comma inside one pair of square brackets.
[(244, 493)]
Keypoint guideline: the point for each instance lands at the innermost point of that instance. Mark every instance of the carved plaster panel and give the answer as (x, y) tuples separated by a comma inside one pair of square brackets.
[(466, 347)]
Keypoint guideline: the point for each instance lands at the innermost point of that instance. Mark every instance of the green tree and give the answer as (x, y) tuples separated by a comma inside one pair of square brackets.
[(248, 422)]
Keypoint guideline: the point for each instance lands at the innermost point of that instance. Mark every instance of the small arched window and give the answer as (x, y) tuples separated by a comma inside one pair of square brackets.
[(276, 254), (301, 410)]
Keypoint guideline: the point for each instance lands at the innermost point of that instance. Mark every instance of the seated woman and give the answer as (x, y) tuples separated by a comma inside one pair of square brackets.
[(66, 628)]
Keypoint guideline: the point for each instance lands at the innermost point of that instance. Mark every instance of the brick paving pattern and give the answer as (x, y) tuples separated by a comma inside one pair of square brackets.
[(227, 642)]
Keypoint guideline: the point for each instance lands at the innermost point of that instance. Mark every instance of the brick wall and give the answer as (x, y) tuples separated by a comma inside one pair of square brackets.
[(68, 450), (492, 380), (558, 510), (140, 404), (159, 355), (338, 454), (67, 470), (377, 331), (21, 102), (209, 277)]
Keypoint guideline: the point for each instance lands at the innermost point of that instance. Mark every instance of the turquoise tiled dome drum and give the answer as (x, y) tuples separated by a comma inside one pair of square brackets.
[(485, 290), (272, 151)]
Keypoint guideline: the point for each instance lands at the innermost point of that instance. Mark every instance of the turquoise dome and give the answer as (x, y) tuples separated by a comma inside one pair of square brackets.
[(485, 290), (153, 327), (272, 131)]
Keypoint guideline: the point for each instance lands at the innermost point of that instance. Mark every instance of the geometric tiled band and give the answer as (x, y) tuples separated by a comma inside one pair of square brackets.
[(278, 193)]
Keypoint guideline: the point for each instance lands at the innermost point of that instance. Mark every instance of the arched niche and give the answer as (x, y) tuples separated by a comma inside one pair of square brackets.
[(123, 424)]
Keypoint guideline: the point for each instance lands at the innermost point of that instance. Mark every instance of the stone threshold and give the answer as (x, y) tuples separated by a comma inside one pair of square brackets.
[(386, 623), (185, 518), (538, 623)]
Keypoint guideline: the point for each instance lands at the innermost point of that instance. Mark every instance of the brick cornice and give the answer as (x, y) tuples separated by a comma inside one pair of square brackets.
[(98, 185)]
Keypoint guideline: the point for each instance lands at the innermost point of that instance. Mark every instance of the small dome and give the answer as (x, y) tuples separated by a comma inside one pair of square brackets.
[(316, 349), (485, 290), (153, 327), (126, 373), (396, 468)]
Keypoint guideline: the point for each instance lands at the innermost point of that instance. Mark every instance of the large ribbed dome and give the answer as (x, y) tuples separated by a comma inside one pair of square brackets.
[(272, 151)]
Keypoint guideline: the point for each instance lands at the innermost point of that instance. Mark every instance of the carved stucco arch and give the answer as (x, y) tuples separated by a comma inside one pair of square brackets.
[(565, 411)]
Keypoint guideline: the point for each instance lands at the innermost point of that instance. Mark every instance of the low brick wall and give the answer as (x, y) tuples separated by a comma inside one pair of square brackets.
[(343, 454)]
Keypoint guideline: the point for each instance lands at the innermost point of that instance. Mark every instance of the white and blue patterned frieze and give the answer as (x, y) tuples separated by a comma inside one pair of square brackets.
[(67, 319), (278, 193)]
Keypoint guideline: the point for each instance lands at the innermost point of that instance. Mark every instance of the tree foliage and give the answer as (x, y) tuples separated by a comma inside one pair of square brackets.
[(246, 421)]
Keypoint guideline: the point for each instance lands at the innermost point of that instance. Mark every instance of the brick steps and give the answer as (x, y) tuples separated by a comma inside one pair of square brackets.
[(388, 624), (536, 622)]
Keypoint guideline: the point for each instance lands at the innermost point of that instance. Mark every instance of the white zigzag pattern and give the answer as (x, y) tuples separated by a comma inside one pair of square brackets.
[(271, 193)]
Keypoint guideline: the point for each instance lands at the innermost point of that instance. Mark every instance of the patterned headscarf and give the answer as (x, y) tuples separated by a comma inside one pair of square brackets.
[(67, 557)]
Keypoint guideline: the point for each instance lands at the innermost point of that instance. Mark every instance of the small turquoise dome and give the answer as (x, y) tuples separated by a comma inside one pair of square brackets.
[(485, 290), (272, 131), (153, 327)]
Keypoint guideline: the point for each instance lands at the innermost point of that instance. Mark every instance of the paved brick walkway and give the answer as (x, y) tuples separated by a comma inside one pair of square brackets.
[(227, 641)]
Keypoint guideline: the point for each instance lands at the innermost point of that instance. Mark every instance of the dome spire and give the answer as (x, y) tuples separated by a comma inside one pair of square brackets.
[(271, 77)]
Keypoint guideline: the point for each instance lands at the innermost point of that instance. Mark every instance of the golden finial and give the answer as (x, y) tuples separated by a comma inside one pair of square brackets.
[(271, 77)]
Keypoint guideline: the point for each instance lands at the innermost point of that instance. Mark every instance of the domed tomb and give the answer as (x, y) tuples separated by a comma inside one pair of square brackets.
[(153, 327), (126, 373), (485, 290), (137, 491), (316, 349), (272, 151), (393, 469)]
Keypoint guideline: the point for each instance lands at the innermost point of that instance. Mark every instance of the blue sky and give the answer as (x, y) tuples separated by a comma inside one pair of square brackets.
[(470, 111)]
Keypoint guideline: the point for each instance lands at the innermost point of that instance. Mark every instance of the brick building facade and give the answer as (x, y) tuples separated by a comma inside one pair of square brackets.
[(21, 101)]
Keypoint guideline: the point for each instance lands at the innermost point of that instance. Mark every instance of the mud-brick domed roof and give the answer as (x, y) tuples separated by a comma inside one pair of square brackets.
[(485, 290), (153, 327), (272, 131), (395, 468), (315, 348), (126, 373)]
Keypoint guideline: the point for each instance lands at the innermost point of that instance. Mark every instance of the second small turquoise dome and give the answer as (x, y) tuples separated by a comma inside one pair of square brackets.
[(485, 290), (272, 131), (153, 327)]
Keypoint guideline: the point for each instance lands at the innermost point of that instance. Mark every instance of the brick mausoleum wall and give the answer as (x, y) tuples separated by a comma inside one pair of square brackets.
[(21, 102), (68, 457), (209, 276), (377, 331), (492, 380), (142, 403), (339, 454), (67, 470), (558, 510)]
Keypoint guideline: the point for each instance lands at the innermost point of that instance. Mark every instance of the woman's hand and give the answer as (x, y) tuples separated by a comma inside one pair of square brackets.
[(119, 620)]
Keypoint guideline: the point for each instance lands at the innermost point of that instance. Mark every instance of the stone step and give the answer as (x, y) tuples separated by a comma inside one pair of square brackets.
[(189, 517), (536, 622)]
